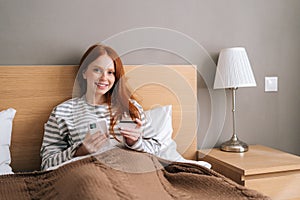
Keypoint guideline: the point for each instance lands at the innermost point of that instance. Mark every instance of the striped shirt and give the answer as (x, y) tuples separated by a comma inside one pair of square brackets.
[(67, 126)]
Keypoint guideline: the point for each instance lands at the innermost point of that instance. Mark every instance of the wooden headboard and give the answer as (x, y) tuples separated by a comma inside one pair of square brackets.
[(34, 90)]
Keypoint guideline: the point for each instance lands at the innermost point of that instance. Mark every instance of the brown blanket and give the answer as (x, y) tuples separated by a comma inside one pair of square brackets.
[(123, 174)]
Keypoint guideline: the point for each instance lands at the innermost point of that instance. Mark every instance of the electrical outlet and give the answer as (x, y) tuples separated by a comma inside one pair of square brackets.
[(271, 84)]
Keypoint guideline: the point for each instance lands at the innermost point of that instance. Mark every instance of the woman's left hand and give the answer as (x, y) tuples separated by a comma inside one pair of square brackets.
[(131, 135)]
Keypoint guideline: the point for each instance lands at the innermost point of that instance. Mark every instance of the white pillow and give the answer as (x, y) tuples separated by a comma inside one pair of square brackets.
[(6, 118), (161, 121)]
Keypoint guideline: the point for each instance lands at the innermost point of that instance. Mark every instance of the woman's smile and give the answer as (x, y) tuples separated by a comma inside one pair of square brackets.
[(101, 85)]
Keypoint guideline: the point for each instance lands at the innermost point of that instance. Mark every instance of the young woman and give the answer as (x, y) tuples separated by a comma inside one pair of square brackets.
[(103, 95)]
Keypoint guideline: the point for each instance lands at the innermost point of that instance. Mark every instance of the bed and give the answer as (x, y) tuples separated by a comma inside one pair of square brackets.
[(33, 91)]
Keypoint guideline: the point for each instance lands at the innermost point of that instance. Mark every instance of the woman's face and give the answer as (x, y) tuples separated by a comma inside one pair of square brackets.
[(100, 76)]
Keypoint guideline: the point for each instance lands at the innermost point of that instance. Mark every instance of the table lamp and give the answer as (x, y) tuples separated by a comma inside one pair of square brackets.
[(234, 71)]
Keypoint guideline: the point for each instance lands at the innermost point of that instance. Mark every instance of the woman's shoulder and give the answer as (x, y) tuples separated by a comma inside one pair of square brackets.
[(69, 104)]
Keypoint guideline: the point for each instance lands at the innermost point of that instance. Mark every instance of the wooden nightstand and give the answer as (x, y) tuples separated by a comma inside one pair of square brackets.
[(269, 171)]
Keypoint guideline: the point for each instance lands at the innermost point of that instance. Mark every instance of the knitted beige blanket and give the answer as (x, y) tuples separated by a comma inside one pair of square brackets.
[(123, 174)]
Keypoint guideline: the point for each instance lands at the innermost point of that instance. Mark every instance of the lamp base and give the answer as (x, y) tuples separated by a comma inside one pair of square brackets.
[(234, 146)]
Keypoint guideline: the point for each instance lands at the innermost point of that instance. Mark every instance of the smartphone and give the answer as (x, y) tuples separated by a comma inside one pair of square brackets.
[(99, 125)]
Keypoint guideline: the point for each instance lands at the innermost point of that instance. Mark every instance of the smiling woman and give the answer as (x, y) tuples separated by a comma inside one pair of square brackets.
[(103, 95)]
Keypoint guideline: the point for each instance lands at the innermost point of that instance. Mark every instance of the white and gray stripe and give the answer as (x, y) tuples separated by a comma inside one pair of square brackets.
[(67, 127)]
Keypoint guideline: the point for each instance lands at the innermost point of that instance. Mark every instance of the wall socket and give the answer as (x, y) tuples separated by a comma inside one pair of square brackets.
[(271, 84)]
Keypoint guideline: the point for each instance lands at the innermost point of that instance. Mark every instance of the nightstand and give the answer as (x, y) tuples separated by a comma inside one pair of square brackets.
[(269, 171)]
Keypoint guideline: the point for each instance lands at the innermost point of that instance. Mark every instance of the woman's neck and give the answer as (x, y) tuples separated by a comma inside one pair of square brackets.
[(95, 99)]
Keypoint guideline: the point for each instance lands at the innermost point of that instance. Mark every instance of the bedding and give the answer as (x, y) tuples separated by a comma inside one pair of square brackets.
[(6, 120), (123, 174), (161, 121)]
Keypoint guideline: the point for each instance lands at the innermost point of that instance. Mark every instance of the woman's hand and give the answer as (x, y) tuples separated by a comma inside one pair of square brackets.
[(131, 135), (91, 143)]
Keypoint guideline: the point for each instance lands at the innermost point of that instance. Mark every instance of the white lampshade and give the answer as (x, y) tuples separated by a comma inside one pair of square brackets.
[(234, 69)]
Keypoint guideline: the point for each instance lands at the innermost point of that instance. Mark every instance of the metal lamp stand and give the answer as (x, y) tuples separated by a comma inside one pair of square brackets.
[(234, 144)]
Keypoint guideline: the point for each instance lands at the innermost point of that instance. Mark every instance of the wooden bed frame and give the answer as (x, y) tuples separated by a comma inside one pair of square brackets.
[(34, 90)]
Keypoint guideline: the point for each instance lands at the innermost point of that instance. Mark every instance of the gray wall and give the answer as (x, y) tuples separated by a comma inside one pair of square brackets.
[(58, 32)]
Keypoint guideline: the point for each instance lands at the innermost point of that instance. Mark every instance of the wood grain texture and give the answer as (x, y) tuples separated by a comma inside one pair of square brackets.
[(270, 171), (34, 90)]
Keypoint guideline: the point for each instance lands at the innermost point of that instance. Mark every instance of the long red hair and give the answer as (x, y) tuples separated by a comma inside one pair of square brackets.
[(119, 95)]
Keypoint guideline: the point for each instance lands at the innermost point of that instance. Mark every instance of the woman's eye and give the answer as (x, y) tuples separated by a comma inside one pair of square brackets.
[(111, 72), (97, 70)]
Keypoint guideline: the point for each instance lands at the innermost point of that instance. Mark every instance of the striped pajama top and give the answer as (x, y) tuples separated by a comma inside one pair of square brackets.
[(67, 126)]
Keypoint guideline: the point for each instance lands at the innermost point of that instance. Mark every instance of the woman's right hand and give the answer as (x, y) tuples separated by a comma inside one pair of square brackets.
[(91, 144)]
